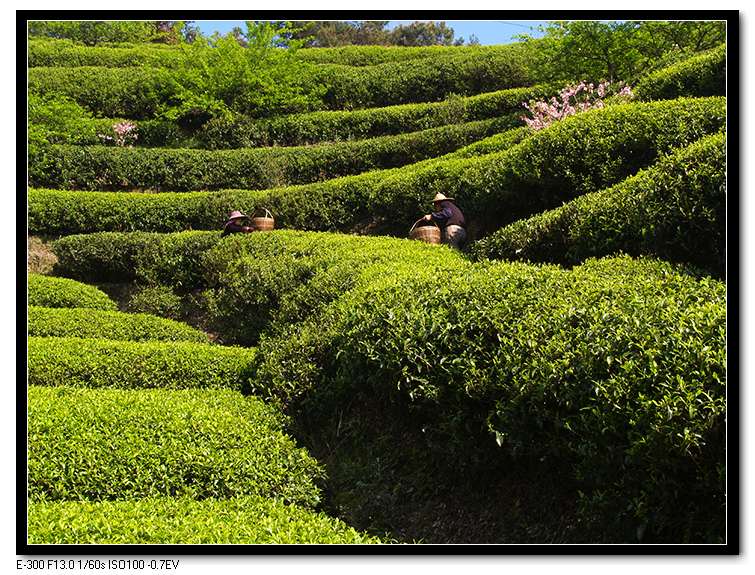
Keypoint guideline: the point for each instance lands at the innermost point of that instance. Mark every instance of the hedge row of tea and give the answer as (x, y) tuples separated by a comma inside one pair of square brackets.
[(177, 259), (83, 362), (584, 153), (115, 325), (68, 54), (615, 369), (65, 53), (139, 92), (675, 210), (701, 75), (316, 127), (136, 93), (46, 291), (313, 127), (183, 520), (372, 55), (114, 168), (266, 286), (112, 444), (530, 346)]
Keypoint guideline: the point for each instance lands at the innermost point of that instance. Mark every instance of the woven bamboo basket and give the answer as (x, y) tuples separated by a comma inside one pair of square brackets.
[(429, 234), (263, 223)]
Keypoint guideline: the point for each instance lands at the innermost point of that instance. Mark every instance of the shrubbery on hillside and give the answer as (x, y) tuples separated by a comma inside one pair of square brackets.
[(82, 362), (700, 75), (674, 210), (49, 291), (89, 323), (171, 520), (509, 352), (136, 93), (583, 153), (155, 443), (296, 129), (112, 168)]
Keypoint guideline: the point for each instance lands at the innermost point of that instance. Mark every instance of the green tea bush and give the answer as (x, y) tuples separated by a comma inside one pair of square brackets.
[(138, 92), (583, 153), (135, 93), (613, 372), (313, 127), (701, 75), (83, 362), (498, 143), (674, 210), (422, 80), (316, 127), (89, 323), (180, 520), (49, 291), (371, 55), (113, 168), (156, 300), (113, 444), (67, 54), (152, 258), (275, 279), (256, 277)]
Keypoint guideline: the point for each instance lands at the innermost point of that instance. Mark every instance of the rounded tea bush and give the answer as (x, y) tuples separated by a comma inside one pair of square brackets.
[(91, 362), (89, 323), (112, 444), (47, 291), (244, 520)]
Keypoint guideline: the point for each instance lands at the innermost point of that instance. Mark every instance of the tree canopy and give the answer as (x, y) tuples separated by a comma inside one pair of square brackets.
[(618, 50), (94, 32), (330, 33)]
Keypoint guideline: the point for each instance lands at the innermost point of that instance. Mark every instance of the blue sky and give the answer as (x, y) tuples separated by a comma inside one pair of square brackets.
[(487, 31)]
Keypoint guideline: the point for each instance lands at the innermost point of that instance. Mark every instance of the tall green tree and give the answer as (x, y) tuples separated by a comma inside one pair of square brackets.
[(253, 73), (422, 34), (599, 50), (332, 33), (93, 32)]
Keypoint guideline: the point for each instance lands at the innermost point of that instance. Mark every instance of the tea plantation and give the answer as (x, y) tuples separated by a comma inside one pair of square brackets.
[(561, 379)]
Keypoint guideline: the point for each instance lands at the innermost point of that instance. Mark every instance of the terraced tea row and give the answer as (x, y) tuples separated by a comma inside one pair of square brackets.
[(114, 168), (65, 53), (155, 443), (180, 520), (84, 362), (92, 323), (581, 154), (675, 210), (308, 128), (46, 291), (139, 92)]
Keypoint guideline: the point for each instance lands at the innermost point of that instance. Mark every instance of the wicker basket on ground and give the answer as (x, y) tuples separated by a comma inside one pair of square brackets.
[(263, 223), (429, 233)]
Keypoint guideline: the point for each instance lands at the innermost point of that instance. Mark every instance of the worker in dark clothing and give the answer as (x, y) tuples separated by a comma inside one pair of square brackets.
[(234, 225), (450, 220)]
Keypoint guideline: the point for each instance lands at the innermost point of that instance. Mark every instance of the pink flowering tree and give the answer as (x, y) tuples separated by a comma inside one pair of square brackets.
[(572, 99), (124, 134)]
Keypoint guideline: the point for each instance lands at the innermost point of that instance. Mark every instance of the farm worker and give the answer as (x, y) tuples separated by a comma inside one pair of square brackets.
[(233, 225), (450, 220)]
